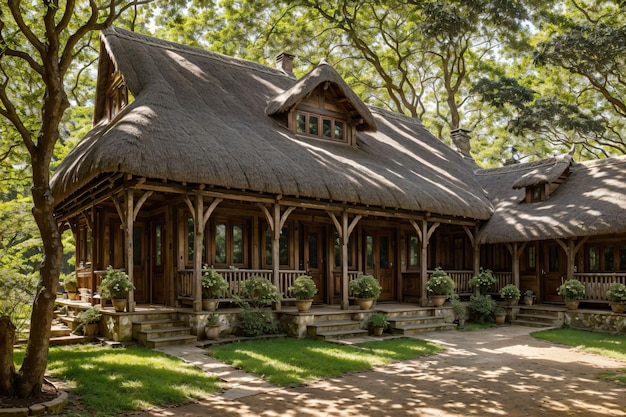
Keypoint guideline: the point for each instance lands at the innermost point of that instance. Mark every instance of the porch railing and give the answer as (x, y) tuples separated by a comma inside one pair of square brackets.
[(597, 284), (461, 280), (235, 277)]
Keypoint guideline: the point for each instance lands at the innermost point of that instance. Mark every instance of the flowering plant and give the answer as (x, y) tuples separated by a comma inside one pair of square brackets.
[(616, 293), (116, 284), (572, 290), (213, 284), (440, 283), (510, 291), (303, 288), (365, 286), (484, 281)]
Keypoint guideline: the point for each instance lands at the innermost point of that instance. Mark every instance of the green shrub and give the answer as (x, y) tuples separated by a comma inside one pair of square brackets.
[(116, 284), (213, 284), (616, 293), (484, 281), (440, 283), (70, 283), (303, 288), (572, 290), (483, 307), (256, 322), (365, 286), (90, 316), (258, 292), (378, 320), (460, 311), (510, 291)]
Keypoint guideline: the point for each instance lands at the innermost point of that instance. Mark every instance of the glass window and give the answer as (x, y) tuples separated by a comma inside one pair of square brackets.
[(414, 251), (553, 259), (238, 243), (314, 127), (326, 128), (536, 193), (190, 235), (338, 130), (369, 250), (609, 259), (301, 123), (158, 243), (532, 257), (283, 246), (383, 251), (594, 258), (137, 249), (622, 258), (220, 243)]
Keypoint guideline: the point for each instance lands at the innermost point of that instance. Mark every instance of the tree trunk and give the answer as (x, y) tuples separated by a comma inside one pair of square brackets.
[(7, 369)]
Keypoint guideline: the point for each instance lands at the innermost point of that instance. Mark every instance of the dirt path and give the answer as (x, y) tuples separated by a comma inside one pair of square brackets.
[(495, 372)]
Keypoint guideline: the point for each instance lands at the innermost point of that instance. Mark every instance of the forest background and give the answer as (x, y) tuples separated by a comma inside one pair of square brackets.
[(528, 78)]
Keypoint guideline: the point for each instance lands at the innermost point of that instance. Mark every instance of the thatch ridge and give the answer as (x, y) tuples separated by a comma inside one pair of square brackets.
[(200, 118)]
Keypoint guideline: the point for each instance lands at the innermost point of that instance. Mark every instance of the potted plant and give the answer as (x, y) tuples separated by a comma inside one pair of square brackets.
[(500, 314), (572, 291), (483, 281), (366, 289), (529, 297), (482, 308), (511, 294), (616, 294), (440, 285), (214, 286), (378, 323), (303, 290), (460, 311), (70, 283), (116, 286), (88, 320), (212, 328)]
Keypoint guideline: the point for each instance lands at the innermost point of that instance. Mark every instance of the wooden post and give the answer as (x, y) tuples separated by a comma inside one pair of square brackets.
[(571, 249), (345, 302), (130, 226), (516, 256), (276, 249), (197, 252), (424, 234)]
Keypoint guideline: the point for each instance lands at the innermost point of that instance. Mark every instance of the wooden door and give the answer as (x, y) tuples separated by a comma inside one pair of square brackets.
[(157, 260), (140, 263), (379, 260), (554, 271), (314, 260)]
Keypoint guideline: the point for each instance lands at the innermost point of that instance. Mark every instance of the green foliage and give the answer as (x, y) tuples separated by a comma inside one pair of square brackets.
[(378, 320), (609, 345), (16, 293), (510, 291), (616, 293), (213, 284), (114, 381), (291, 362), (90, 316), (213, 319), (484, 281), (460, 311), (499, 311), (529, 293), (572, 290), (253, 321), (365, 286), (70, 282), (303, 288), (483, 307), (258, 292), (115, 284), (440, 283)]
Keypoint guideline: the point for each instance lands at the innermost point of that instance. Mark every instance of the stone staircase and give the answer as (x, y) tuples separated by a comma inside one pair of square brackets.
[(160, 330), (539, 316), (61, 331), (413, 320), (338, 325)]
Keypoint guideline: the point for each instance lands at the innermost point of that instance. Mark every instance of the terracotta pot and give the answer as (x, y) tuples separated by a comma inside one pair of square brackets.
[(119, 304), (90, 330), (74, 295), (210, 304), (572, 304), (512, 301), (377, 331), (365, 303), (618, 307), (212, 332), (529, 300), (304, 305), (500, 318), (438, 300)]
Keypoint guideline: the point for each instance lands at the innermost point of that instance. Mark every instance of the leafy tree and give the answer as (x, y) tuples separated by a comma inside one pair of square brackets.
[(40, 44)]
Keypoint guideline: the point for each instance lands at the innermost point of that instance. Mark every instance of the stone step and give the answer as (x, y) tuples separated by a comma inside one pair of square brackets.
[(404, 320), (540, 311), (144, 336), (341, 334), (71, 339), (421, 328), (539, 318), (60, 330), (332, 325), (170, 340), (530, 323)]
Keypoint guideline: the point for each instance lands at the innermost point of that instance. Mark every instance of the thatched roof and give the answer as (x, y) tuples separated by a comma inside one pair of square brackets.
[(321, 74), (592, 201), (199, 117), (547, 172)]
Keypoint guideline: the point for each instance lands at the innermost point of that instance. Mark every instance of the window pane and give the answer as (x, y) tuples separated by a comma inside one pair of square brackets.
[(326, 128), (190, 234), (238, 244), (414, 251), (594, 258), (268, 246), (284, 246), (609, 259), (622, 257), (220, 243), (553, 259), (312, 238), (338, 130), (532, 258), (158, 245), (301, 123), (314, 127), (369, 250)]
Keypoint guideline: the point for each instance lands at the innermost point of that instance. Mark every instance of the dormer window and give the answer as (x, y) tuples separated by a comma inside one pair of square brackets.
[(535, 193), (116, 95), (320, 126)]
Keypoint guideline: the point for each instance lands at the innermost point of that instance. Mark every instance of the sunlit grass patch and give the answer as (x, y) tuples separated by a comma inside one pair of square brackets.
[(295, 361), (112, 381)]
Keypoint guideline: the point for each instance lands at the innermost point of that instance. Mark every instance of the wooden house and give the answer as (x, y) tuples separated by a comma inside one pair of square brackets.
[(197, 158)]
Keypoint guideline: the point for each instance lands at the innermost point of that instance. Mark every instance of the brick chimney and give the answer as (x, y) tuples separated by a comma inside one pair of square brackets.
[(284, 62), (461, 139)]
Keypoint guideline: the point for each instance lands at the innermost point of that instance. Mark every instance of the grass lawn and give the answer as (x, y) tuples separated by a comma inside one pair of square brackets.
[(612, 346), (292, 362), (111, 381)]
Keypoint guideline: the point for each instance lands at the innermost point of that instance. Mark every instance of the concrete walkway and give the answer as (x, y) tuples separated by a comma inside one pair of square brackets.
[(494, 372)]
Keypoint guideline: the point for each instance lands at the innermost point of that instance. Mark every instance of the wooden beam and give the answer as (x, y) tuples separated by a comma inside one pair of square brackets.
[(209, 211), (141, 202), (130, 250)]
